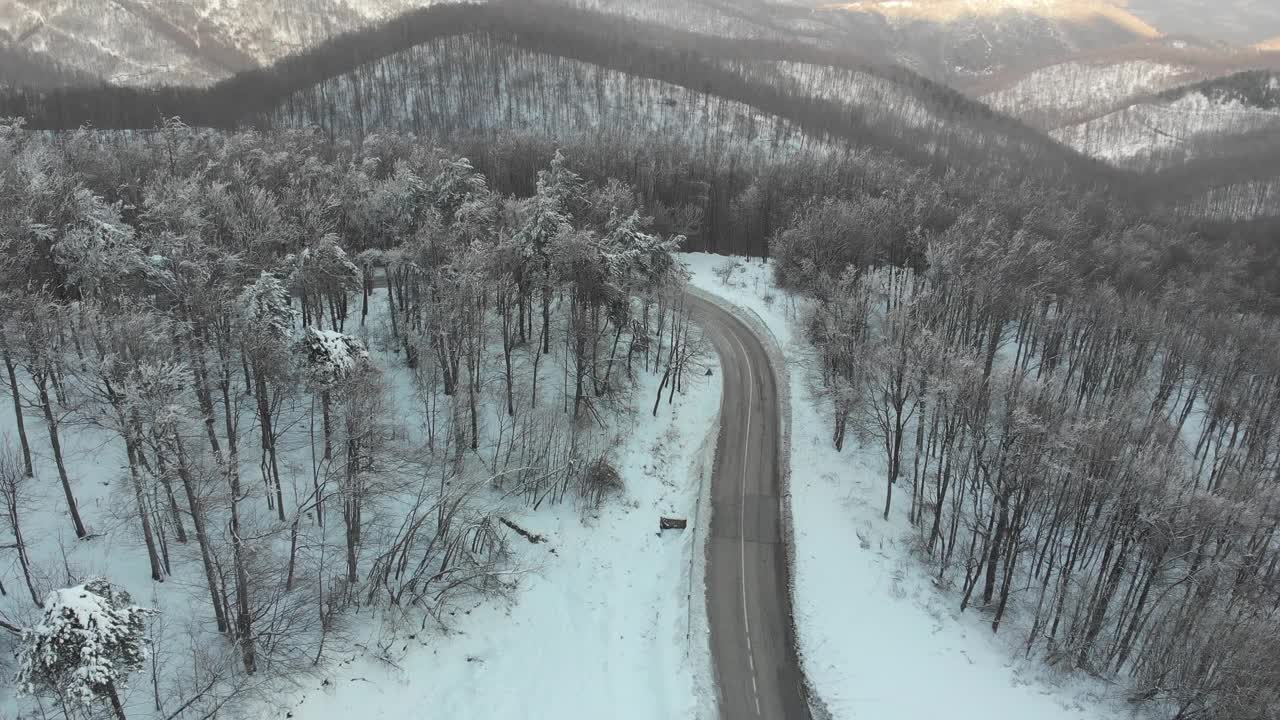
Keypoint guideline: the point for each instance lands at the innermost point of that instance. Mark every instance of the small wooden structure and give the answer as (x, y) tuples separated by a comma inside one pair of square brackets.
[(670, 523)]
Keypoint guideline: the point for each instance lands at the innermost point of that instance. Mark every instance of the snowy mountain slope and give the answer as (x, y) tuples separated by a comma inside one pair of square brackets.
[(140, 42), (1177, 127), (1091, 84), (105, 39), (953, 10), (559, 83), (510, 89), (1053, 96), (738, 91), (961, 42), (193, 42), (699, 16)]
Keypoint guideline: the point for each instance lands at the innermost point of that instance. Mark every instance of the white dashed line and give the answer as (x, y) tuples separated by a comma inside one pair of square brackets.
[(742, 519)]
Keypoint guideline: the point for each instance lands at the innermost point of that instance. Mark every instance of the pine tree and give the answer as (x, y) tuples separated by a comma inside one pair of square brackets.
[(91, 639)]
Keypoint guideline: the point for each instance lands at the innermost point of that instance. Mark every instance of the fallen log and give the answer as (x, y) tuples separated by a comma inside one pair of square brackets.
[(531, 537)]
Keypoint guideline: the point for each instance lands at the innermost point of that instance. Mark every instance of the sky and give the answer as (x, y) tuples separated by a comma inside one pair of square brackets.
[(1238, 21)]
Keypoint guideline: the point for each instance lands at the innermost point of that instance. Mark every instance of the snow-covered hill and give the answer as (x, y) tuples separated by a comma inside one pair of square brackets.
[(1178, 127), (1055, 95), (145, 42), (964, 42), (510, 89)]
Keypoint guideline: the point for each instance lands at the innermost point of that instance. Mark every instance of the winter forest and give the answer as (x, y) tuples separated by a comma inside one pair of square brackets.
[(328, 369), (1103, 459), (407, 342)]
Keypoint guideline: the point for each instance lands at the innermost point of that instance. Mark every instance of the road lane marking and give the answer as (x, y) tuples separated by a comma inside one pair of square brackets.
[(742, 517)]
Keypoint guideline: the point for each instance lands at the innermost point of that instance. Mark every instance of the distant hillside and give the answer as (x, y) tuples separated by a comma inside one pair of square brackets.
[(1203, 120), (827, 98), (189, 42), (131, 42), (19, 67), (1257, 89), (479, 83), (1089, 85), (964, 43), (200, 42)]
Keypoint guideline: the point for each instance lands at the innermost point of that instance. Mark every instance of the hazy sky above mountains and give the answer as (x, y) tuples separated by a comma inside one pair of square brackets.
[(1241, 21)]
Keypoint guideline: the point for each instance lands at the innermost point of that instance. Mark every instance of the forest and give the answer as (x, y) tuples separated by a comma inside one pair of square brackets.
[(327, 368), (325, 310), (833, 97), (1088, 465)]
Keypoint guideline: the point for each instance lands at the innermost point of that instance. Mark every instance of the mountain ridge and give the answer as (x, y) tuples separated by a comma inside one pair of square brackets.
[(945, 11)]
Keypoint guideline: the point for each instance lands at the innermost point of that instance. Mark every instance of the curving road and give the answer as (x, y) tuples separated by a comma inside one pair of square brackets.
[(748, 601)]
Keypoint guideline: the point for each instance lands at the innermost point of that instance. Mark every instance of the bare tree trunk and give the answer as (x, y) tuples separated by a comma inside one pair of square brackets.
[(114, 697), (135, 477), (16, 394), (204, 395), (268, 438), (202, 537), (351, 511), (244, 619), (546, 320), (162, 472), (326, 408), (9, 491), (507, 342), (51, 422)]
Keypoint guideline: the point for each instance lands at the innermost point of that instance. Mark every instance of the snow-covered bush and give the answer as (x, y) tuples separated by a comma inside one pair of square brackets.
[(91, 638), (265, 312), (332, 356)]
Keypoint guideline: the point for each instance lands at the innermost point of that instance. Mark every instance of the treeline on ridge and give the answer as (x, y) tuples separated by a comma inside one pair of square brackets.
[(687, 59)]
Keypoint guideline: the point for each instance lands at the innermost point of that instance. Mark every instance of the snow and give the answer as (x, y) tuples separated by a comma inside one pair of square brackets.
[(602, 624), (863, 90), (903, 12), (1159, 133), (1054, 95), (86, 641), (534, 92), (877, 638), (606, 618), (127, 47), (333, 355)]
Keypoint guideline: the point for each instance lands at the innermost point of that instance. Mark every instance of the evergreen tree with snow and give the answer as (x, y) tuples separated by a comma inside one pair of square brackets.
[(91, 639), (549, 219)]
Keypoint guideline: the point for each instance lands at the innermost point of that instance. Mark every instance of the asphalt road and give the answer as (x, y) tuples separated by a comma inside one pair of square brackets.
[(757, 670)]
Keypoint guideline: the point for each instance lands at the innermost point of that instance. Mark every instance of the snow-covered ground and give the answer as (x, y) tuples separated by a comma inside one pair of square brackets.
[(600, 622), (601, 625), (877, 639)]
